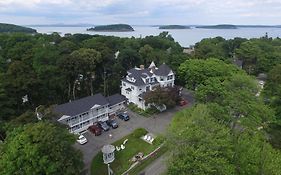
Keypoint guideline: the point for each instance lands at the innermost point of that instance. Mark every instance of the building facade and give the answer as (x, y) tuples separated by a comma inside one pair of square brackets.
[(140, 80), (82, 113)]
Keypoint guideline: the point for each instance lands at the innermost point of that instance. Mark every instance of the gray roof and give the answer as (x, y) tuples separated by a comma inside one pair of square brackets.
[(163, 70), (138, 74), (138, 81), (115, 99), (82, 105), (108, 149)]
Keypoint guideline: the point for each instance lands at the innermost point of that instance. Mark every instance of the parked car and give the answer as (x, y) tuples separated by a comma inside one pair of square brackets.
[(95, 129), (182, 102), (124, 116), (103, 126), (112, 123), (82, 139)]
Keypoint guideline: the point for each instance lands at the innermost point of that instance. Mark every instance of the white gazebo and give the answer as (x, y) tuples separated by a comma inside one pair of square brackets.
[(108, 156), (108, 153)]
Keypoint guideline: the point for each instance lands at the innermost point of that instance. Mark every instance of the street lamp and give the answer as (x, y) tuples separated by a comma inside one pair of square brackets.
[(108, 156)]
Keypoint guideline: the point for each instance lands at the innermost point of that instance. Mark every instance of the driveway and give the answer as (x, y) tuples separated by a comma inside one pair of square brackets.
[(157, 167), (156, 124)]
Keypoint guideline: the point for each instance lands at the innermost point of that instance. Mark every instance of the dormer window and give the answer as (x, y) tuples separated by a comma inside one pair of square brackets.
[(131, 79), (147, 80)]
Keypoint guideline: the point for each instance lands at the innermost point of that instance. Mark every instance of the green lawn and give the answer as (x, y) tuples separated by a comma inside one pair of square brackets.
[(121, 162)]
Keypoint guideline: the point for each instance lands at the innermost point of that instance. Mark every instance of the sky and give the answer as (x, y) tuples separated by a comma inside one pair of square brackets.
[(141, 12)]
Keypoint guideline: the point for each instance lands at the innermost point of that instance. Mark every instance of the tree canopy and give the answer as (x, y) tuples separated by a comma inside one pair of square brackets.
[(40, 148), (10, 28), (53, 69), (199, 144)]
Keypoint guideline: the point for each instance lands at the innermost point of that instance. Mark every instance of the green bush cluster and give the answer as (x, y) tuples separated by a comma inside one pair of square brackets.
[(139, 132), (147, 113), (159, 140)]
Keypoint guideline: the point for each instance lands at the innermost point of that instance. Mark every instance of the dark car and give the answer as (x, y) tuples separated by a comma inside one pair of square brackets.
[(124, 116), (95, 129), (112, 123), (103, 126)]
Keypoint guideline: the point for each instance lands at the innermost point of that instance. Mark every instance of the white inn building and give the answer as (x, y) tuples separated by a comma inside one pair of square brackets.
[(82, 113), (140, 80)]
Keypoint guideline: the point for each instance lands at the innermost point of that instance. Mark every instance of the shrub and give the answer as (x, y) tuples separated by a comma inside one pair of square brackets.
[(147, 113), (152, 110), (159, 140), (139, 132)]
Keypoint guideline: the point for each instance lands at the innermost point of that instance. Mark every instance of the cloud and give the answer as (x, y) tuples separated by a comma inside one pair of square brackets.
[(145, 11)]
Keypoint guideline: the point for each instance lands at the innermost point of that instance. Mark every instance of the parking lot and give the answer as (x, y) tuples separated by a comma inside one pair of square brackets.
[(156, 124)]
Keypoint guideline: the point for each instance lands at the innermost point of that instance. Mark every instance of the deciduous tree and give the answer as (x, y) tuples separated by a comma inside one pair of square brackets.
[(40, 148)]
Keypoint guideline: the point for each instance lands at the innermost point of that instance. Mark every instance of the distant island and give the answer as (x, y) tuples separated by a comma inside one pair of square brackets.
[(221, 26), (174, 27), (11, 28), (259, 26), (112, 28)]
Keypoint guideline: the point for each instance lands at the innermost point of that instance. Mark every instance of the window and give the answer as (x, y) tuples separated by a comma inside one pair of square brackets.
[(170, 77), (74, 118), (151, 79), (85, 113), (124, 84), (147, 88), (147, 80)]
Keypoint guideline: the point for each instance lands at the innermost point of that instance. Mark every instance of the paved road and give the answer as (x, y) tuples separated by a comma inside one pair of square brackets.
[(157, 167), (156, 124)]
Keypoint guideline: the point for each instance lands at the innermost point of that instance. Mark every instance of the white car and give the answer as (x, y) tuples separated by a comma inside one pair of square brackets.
[(82, 139)]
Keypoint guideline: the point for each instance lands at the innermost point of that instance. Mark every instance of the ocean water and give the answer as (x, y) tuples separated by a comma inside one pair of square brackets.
[(185, 37)]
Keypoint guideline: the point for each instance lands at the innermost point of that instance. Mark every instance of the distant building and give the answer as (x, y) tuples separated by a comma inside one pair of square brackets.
[(189, 50), (82, 113), (140, 80), (261, 78), (238, 62)]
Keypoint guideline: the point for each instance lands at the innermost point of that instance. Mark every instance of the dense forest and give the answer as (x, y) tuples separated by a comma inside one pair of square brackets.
[(50, 69), (174, 27), (220, 26), (113, 28), (43, 70), (11, 28)]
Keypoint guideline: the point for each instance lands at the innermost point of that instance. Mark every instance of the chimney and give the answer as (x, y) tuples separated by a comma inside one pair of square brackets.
[(141, 66)]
